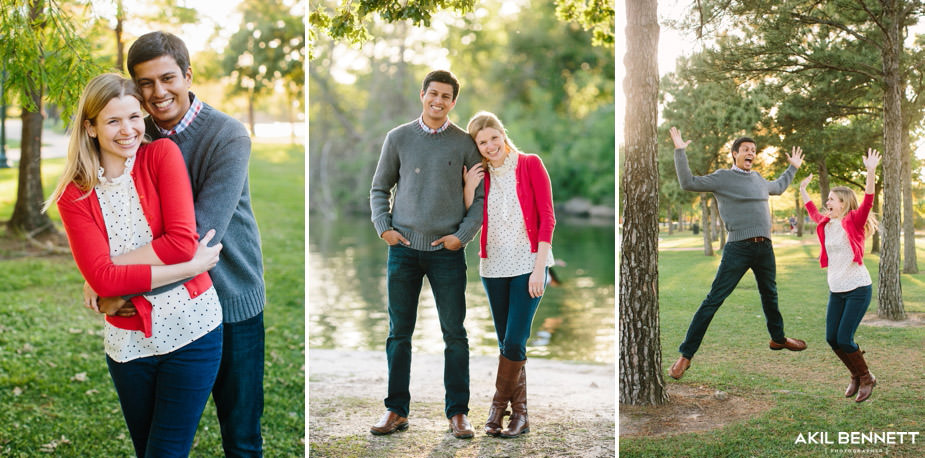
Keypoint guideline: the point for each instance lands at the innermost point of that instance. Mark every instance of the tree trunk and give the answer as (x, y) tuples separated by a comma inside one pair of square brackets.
[(719, 226), (910, 263), (641, 381), (875, 209), (670, 220), (890, 290), (120, 43), (290, 111), (706, 223), (27, 214), (250, 111), (823, 182)]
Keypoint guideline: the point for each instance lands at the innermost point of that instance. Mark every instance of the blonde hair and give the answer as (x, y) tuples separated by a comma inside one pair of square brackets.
[(485, 120), (847, 197), (83, 151)]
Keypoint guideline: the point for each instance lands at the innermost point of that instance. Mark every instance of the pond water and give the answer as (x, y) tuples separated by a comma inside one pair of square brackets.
[(347, 307)]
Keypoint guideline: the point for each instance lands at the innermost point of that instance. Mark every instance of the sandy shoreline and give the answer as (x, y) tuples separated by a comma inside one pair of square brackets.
[(586, 389)]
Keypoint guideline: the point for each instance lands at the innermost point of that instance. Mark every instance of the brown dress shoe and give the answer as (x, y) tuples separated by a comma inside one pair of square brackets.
[(677, 369), (389, 423), (790, 344), (461, 427)]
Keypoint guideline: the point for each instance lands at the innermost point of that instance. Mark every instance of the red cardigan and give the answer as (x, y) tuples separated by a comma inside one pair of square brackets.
[(853, 223), (534, 192), (166, 196)]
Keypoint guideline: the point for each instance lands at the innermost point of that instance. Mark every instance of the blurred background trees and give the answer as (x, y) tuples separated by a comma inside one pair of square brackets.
[(532, 63)]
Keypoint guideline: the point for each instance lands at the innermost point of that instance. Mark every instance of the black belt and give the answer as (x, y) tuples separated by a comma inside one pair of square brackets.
[(757, 239)]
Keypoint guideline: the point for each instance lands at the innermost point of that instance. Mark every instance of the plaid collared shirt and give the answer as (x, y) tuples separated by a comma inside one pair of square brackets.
[(433, 131), (194, 108)]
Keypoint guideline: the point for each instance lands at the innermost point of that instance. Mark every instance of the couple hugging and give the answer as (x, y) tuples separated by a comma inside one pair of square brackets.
[(435, 187), (183, 319)]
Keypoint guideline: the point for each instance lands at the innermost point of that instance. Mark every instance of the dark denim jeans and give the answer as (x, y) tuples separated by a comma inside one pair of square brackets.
[(446, 272), (238, 391), (512, 310), (843, 316), (738, 257), (163, 396)]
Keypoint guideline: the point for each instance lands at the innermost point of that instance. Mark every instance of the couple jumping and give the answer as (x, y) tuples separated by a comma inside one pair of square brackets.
[(426, 205), (742, 195)]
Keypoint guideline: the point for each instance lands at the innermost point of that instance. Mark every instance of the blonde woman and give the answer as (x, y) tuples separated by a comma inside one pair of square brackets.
[(515, 251), (127, 208), (842, 231)]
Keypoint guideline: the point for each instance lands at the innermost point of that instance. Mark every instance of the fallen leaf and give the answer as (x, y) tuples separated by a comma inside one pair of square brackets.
[(80, 377), (17, 391)]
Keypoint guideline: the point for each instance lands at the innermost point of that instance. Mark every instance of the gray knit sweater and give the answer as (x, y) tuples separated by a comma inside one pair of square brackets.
[(742, 196), (216, 148), (425, 171)]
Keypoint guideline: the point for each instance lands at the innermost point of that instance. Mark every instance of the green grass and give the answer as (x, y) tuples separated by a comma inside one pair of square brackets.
[(48, 339), (805, 388)]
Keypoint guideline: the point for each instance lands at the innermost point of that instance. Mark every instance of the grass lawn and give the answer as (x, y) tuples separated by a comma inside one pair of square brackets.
[(805, 388), (55, 391)]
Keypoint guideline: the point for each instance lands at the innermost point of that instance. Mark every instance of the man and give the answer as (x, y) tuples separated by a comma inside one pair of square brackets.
[(216, 149), (426, 227), (742, 195)]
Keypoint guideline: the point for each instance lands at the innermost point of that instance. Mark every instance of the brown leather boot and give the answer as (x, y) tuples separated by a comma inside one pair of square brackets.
[(855, 377), (866, 380), (507, 370), (519, 423)]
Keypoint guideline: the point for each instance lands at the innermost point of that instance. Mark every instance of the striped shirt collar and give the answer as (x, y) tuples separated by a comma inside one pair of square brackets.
[(737, 169), (194, 109), (433, 131)]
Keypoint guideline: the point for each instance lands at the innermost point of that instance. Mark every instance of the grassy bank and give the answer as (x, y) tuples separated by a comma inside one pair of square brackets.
[(55, 390), (804, 389)]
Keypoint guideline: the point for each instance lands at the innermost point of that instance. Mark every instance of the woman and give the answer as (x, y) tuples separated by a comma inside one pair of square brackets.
[(127, 208), (515, 251), (842, 232)]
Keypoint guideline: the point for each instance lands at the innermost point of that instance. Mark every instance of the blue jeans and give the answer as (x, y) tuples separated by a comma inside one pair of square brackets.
[(843, 316), (738, 257), (446, 272), (512, 310), (163, 396), (238, 391)]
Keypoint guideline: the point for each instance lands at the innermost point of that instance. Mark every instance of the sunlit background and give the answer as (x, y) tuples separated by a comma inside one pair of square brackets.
[(554, 92)]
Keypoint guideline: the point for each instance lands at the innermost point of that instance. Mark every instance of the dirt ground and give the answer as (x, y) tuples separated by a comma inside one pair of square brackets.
[(576, 399), (692, 409)]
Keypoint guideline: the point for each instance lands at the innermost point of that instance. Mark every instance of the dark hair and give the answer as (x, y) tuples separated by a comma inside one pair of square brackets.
[(739, 141), (156, 44), (442, 76)]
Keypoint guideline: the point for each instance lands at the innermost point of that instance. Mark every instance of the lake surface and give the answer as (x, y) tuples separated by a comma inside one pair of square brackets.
[(347, 307)]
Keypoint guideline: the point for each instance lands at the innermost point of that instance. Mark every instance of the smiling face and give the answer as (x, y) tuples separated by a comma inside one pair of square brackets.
[(119, 129), (745, 156), (491, 145), (165, 89), (835, 205), (437, 100)]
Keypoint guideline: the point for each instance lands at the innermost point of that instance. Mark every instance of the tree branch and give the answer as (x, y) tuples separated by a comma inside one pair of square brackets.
[(807, 19)]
